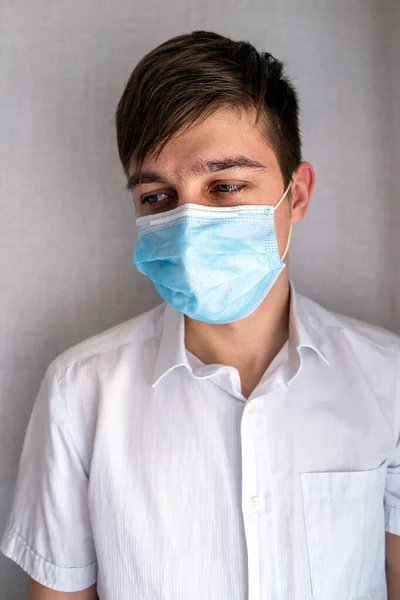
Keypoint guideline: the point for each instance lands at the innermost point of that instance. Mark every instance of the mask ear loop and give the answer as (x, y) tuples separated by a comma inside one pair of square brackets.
[(287, 245), (290, 228)]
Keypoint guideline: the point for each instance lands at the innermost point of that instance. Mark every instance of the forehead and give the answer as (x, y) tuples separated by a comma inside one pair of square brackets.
[(225, 132)]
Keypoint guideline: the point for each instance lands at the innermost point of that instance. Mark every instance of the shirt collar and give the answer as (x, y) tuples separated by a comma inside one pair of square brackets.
[(302, 331), (172, 351)]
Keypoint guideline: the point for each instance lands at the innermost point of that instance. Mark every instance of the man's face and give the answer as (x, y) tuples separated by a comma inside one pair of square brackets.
[(223, 161)]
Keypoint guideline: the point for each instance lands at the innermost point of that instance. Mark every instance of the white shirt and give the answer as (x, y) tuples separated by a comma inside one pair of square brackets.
[(160, 481)]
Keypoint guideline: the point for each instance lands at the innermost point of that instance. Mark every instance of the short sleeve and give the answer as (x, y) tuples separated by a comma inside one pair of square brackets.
[(48, 532), (392, 491)]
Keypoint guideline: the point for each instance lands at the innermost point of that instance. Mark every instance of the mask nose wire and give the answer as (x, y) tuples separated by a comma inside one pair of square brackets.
[(290, 228)]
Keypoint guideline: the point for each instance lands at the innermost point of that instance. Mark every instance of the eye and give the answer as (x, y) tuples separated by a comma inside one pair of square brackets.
[(152, 199), (229, 188), (221, 188)]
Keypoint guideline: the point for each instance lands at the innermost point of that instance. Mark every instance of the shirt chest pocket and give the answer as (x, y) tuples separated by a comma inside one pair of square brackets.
[(345, 530)]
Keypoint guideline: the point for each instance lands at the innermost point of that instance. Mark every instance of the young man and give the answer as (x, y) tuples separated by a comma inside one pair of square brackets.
[(237, 441)]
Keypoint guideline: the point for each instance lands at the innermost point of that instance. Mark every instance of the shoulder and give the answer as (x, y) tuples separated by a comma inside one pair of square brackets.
[(129, 336), (85, 381), (340, 328)]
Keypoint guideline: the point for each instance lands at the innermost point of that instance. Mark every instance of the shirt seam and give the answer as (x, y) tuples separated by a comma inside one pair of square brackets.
[(44, 559), (394, 507), (63, 368), (63, 422), (319, 326)]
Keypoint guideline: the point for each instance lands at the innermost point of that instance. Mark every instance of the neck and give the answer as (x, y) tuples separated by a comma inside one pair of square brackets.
[(250, 344)]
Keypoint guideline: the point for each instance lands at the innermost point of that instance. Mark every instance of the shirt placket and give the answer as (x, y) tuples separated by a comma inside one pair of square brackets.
[(257, 502), (256, 505)]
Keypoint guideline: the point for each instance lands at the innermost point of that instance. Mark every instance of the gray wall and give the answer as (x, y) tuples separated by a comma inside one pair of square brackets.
[(67, 226)]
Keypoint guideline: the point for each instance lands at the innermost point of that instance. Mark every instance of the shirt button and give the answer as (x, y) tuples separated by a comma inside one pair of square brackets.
[(251, 406), (255, 503)]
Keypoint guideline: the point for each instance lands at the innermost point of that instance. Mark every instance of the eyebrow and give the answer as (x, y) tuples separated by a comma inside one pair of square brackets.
[(201, 167)]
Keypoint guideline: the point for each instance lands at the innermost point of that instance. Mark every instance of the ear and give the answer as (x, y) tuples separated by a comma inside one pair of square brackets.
[(302, 187)]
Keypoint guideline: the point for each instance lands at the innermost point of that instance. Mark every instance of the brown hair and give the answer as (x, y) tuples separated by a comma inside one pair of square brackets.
[(190, 76)]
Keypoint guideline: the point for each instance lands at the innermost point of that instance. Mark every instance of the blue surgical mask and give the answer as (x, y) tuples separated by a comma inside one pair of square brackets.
[(215, 265)]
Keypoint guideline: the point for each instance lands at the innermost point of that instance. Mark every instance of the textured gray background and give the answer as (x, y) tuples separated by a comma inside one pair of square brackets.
[(67, 226)]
